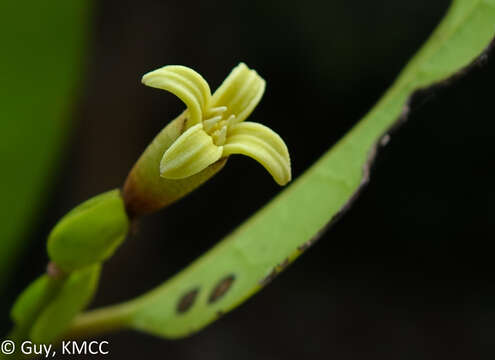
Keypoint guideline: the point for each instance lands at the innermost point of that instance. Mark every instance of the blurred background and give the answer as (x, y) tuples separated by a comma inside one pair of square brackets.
[(406, 274)]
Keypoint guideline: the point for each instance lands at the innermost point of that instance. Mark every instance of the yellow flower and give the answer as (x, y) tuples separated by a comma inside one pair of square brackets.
[(215, 126)]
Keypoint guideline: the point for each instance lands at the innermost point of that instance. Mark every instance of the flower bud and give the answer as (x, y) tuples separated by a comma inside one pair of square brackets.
[(90, 233), (33, 299), (72, 297)]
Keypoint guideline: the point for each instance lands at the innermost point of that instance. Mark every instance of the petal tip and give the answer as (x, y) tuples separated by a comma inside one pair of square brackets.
[(282, 181), (152, 78)]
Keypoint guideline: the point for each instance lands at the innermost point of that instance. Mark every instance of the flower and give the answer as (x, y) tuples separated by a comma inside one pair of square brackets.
[(215, 126)]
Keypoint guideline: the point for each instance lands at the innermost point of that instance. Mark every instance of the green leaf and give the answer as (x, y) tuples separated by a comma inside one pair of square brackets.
[(89, 233), (42, 53), (258, 250)]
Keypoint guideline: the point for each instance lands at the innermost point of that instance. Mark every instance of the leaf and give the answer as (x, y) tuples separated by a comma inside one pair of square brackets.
[(264, 245), (42, 48)]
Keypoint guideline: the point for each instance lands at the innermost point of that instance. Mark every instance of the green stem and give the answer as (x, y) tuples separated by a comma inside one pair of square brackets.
[(100, 321)]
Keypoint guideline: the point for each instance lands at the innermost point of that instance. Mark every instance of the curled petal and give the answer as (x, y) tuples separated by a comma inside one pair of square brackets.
[(192, 152), (241, 91), (186, 84), (262, 144)]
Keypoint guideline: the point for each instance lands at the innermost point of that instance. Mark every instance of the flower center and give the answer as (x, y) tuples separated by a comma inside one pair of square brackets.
[(217, 124)]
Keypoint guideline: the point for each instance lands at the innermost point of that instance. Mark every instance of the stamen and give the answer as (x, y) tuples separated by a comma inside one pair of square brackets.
[(220, 136), (231, 120), (217, 110), (209, 124)]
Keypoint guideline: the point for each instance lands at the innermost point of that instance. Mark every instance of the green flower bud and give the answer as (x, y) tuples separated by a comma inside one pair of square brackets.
[(72, 297), (90, 233), (33, 299)]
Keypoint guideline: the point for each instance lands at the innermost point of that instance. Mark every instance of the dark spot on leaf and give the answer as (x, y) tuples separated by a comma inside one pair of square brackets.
[(222, 287), (186, 301)]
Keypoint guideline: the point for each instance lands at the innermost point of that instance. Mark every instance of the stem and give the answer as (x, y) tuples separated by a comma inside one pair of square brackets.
[(100, 321)]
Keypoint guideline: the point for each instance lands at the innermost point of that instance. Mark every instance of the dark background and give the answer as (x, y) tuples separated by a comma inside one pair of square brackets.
[(406, 274)]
